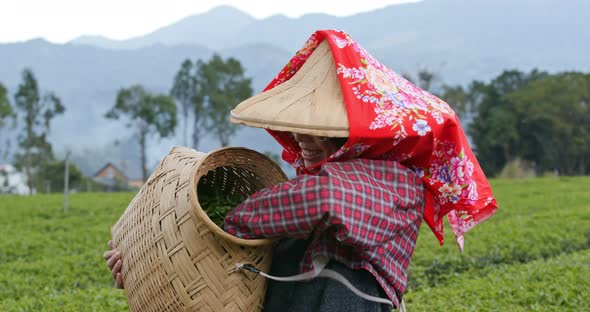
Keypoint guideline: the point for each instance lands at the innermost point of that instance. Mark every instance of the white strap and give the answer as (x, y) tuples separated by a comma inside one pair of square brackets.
[(319, 263), (319, 270), (402, 306), (337, 276)]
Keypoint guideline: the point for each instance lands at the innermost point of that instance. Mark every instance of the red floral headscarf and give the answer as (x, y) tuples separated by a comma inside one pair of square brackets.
[(390, 118)]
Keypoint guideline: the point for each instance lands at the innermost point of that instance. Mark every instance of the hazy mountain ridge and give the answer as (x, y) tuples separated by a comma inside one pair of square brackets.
[(212, 29), (463, 40), (459, 40)]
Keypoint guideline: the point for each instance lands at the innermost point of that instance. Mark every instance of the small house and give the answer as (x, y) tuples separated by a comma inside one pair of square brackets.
[(111, 176)]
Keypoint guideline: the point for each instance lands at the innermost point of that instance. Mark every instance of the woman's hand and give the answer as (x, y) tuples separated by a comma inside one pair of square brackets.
[(114, 262)]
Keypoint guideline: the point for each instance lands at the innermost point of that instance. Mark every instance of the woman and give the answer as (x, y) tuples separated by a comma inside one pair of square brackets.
[(326, 294), (357, 203), (361, 215)]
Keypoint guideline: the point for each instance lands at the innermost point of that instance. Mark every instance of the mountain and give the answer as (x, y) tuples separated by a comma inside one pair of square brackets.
[(213, 29), (458, 40)]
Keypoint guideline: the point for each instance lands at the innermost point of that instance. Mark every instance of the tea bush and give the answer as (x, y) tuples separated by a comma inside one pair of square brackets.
[(533, 255)]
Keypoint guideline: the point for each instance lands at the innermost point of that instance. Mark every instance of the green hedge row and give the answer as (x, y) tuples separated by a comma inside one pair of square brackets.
[(534, 254)]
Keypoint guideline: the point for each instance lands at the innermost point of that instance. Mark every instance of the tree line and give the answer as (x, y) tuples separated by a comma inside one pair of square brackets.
[(537, 117), (205, 91), (32, 113)]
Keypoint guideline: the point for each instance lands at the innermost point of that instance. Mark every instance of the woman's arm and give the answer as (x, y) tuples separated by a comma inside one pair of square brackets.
[(364, 203)]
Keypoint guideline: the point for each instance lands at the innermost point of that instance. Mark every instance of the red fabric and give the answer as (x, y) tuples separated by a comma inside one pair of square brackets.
[(364, 213), (392, 119)]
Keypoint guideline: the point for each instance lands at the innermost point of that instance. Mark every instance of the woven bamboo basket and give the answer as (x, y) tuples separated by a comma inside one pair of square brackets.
[(174, 257)]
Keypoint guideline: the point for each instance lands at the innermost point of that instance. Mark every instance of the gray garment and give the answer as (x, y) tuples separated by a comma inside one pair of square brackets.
[(319, 294)]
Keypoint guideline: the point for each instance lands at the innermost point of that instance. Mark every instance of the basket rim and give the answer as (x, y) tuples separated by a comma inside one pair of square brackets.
[(214, 227)]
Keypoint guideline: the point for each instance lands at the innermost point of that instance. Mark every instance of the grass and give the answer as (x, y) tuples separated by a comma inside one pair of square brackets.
[(51, 260), (539, 221), (533, 255)]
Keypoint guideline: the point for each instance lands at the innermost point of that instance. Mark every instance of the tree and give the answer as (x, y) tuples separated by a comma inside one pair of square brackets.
[(494, 129), (149, 114), (37, 112), (211, 89), (6, 110), (222, 86), (6, 113), (184, 90), (51, 176), (555, 122), (457, 98)]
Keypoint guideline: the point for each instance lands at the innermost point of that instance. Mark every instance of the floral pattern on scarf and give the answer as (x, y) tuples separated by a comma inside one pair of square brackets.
[(396, 120)]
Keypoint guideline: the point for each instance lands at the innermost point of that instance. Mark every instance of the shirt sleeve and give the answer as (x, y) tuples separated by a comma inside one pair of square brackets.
[(357, 205)]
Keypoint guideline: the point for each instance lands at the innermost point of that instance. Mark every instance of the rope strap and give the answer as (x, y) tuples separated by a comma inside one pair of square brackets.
[(319, 270)]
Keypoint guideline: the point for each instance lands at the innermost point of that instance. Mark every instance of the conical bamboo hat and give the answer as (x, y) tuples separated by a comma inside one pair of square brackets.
[(311, 102)]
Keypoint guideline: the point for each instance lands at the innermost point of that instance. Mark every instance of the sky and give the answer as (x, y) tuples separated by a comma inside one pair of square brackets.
[(60, 21)]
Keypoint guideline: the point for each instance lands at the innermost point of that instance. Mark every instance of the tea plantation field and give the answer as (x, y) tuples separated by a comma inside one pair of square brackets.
[(533, 255)]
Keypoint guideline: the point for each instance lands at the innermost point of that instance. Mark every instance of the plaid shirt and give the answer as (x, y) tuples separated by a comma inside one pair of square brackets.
[(362, 213)]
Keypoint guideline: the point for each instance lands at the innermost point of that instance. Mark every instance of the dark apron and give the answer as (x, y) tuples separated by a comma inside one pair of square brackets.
[(319, 294)]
